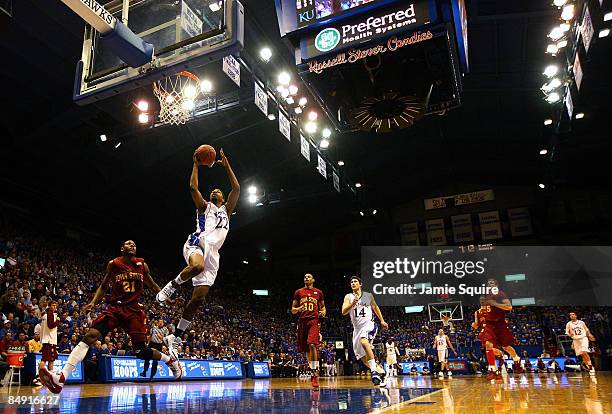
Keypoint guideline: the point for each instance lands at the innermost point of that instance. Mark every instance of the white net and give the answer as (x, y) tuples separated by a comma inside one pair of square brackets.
[(177, 95)]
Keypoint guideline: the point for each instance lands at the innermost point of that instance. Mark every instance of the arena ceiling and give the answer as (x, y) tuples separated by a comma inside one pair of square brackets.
[(53, 162)]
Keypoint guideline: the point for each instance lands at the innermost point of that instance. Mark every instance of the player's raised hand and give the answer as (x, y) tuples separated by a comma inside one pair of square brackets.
[(87, 307), (223, 161), (384, 325)]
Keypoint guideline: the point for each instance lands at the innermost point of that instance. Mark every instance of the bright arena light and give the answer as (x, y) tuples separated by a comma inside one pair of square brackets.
[(293, 89), (543, 151), (548, 122), (265, 54), (206, 86), (361, 213), (324, 143), (553, 97), (290, 100), (312, 115), (285, 93), (553, 84), (604, 33), (271, 117), (252, 199), (303, 101), (298, 110), (190, 92), (215, 6), (326, 133), (608, 17), (556, 33), (551, 71), (559, 3), (341, 163), (374, 212), (143, 105), (103, 138), (252, 190), (580, 115), (117, 145), (310, 127), (169, 99), (568, 12), (357, 185), (542, 186), (284, 78), (188, 105), (552, 49), (143, 118), (561, 44)]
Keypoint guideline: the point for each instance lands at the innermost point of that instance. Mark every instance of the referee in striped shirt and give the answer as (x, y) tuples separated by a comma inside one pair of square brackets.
[(158, 331)]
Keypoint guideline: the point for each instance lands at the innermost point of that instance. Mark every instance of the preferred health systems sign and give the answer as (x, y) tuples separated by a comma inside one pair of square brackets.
[(363, 28)]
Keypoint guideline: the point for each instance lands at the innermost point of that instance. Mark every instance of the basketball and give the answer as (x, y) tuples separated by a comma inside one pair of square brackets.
[(206, 155)]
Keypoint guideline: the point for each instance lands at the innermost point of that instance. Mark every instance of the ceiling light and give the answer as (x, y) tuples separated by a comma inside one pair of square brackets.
[(607, 16), (189, 92), (188, 105), (252, 190), (206, 86), (303, 101), (265, 54), (552, 49), (568, 12), (556, 33), (553, 97), (290, 100), (143, 105), (324, 143), (311, 127), (551, 70), (548, 122), (293, 89), (252, 199), (543, 151), (603, 33), (580, 115), (553, 84), (103, 138), (357, 185), (341, 163), (245, 262), (312, 115), (298, 110), (562, 44), (271, 117), (542, 186), (285, 93), (374, 212), (143, 118), (361, 213), (215, 6), (284, 78), (117, 145), (326, 133), (565, 27), (559, 3)]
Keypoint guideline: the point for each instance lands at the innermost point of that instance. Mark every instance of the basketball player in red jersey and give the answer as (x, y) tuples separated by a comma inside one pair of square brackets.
[(127, 275), (309, 304), (495, 332)]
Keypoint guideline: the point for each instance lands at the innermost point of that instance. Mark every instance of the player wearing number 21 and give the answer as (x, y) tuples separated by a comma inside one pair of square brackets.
[(308, 303), (127, 275)]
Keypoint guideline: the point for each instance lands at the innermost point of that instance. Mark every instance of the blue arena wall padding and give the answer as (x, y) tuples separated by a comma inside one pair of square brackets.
[(127, 46)]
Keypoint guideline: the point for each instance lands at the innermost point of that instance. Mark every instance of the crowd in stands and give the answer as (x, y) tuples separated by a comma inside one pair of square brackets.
[(233, 325)]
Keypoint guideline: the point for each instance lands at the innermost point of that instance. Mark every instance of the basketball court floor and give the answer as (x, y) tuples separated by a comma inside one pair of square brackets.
[(531, 393)]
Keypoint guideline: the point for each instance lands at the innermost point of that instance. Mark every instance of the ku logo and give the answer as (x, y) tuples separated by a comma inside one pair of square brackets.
[(307, 16), (327, 39)]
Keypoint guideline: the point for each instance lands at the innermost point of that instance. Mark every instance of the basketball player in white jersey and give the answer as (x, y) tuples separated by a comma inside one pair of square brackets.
[(580, 334), (442, 343), (201, 250), (361, 306), (392, 353)]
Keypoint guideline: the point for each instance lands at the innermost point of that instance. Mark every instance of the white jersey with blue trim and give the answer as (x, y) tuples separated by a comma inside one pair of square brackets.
[(362, 313), (212, 226)]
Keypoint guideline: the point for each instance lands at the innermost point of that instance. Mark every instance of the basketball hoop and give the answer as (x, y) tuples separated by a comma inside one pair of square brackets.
[(176, 95)]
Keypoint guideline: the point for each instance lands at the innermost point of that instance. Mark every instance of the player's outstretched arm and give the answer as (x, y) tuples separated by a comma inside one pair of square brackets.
[(100, 291), (196, 196), (233, 196), (378, 313)]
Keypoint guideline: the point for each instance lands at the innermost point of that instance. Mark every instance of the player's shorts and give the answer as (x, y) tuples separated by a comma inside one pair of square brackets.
[(307, 333), (442, 355), (130, 317), (211, 262), (498, 333), (49, 352), (392, 360), (581, 346), (368, 331)]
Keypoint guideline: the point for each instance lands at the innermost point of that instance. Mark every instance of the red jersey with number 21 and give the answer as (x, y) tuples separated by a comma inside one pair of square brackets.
[(312, 298), (127, 279)]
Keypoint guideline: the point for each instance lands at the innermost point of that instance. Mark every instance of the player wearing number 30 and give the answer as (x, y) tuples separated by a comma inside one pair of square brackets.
[(361, 306), (201, 250)]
